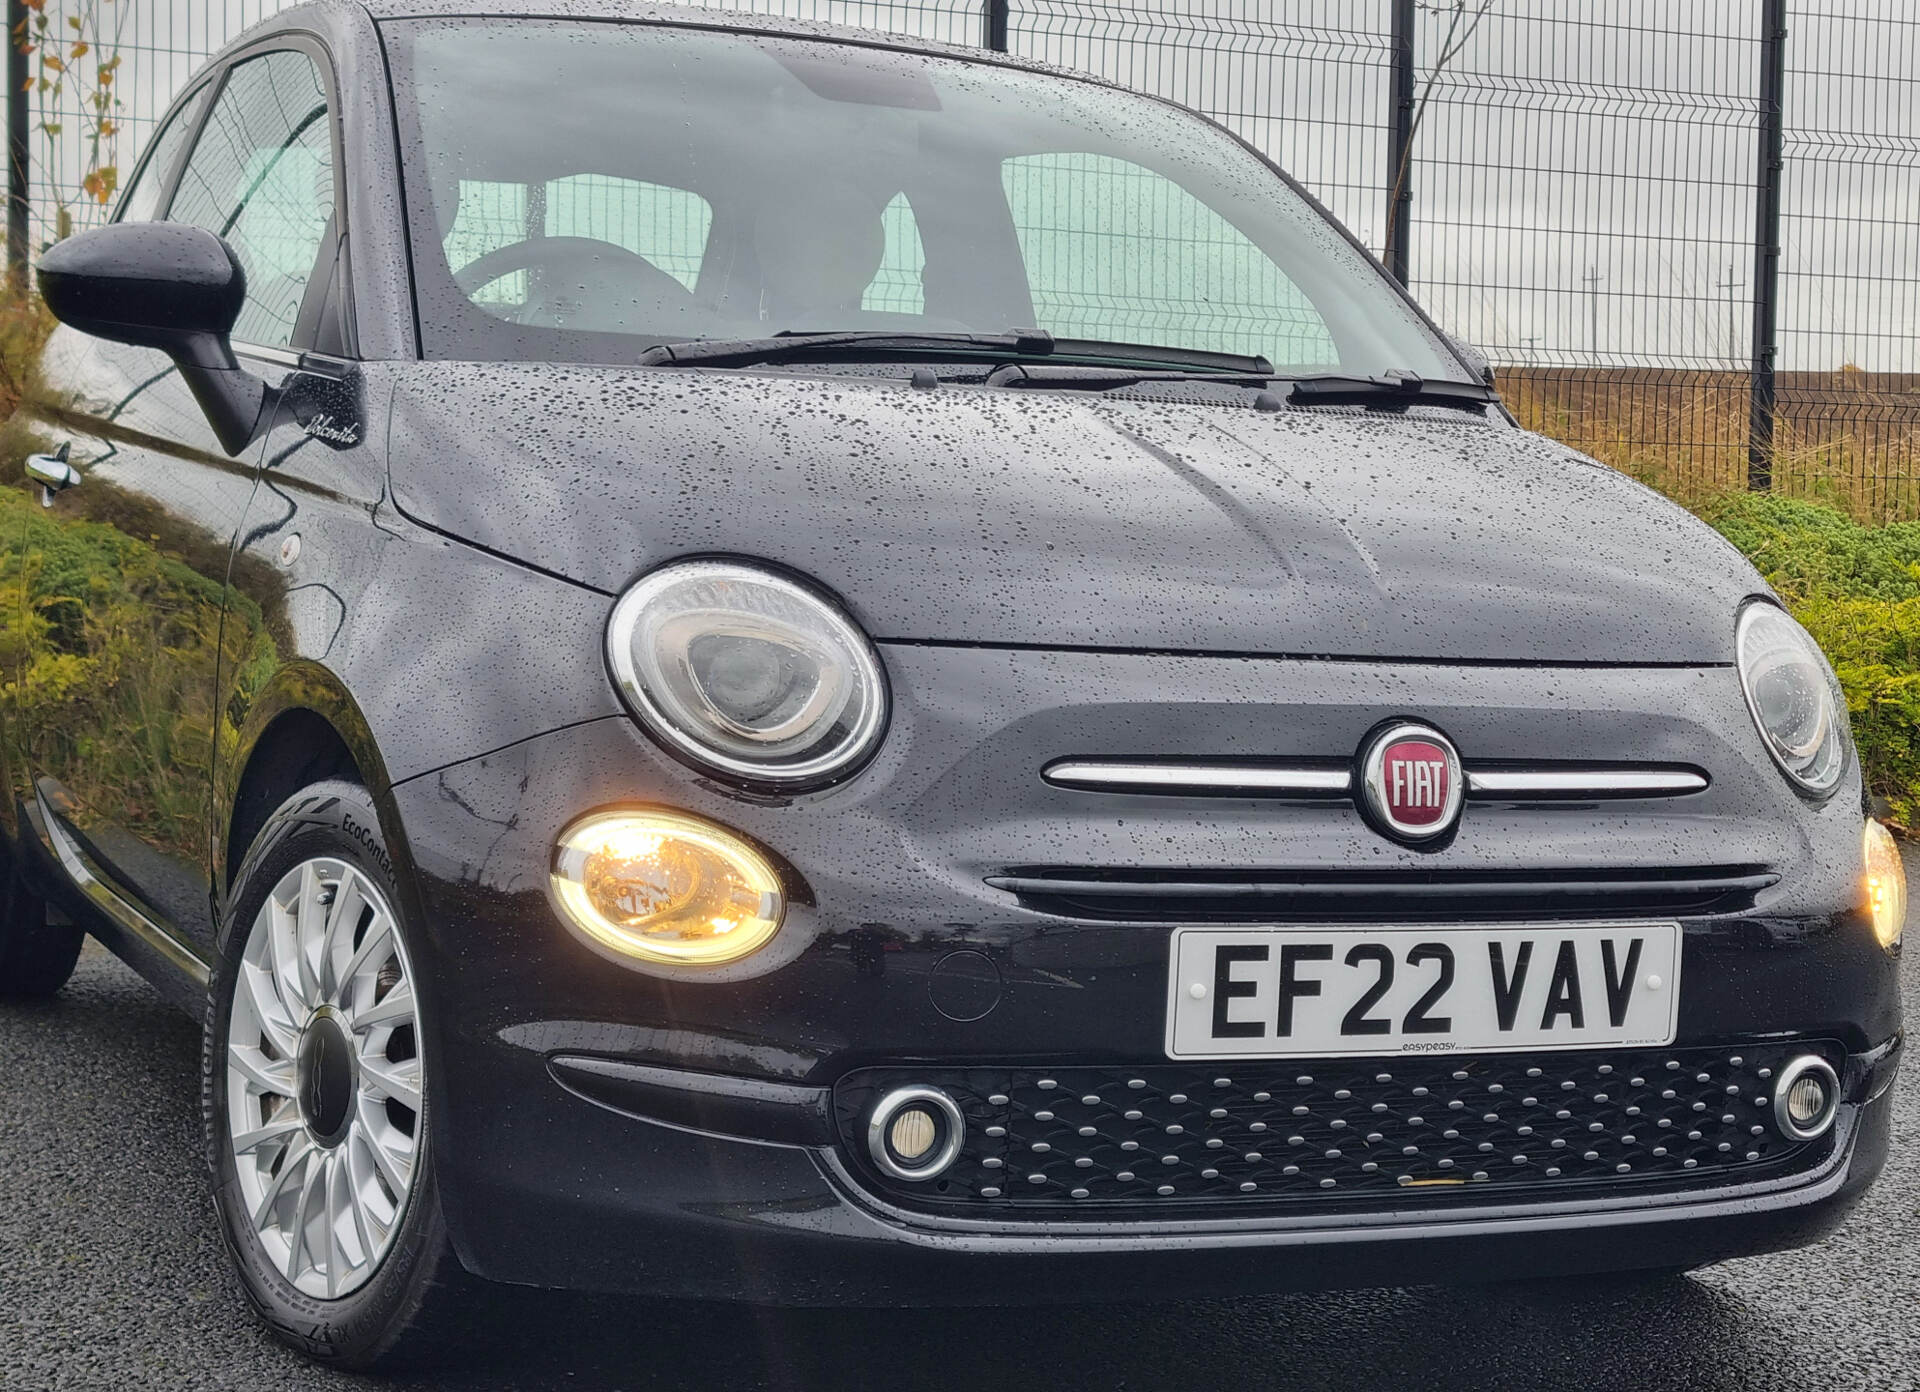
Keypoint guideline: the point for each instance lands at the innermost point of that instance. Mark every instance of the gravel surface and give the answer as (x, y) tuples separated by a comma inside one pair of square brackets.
[(111, 1277)]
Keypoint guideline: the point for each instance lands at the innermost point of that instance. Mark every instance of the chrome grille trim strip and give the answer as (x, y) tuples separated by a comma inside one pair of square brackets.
[(1207, 779), (1271, 780), (92, 882), (1580, 782)]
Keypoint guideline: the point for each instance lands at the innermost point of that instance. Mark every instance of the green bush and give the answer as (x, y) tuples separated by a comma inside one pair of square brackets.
[(1857, 590)]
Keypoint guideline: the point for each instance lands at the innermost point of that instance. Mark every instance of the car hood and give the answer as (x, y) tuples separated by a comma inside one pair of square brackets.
[(1056, 519)]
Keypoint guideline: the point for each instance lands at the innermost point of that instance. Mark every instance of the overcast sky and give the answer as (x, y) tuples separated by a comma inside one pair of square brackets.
[(1585, 183)]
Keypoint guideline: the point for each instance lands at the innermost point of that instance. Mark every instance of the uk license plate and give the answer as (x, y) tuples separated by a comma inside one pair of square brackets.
[(1332, 992)]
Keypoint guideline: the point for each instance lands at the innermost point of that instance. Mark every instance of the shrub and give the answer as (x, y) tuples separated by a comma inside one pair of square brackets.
[(1857, 590)]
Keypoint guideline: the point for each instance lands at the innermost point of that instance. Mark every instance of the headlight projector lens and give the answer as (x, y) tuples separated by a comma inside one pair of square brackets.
[(664, 887)]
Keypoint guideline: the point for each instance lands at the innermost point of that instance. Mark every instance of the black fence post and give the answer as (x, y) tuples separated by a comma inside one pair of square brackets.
[(1400, 146), (998, 13), (18, 192), (1766, 245)]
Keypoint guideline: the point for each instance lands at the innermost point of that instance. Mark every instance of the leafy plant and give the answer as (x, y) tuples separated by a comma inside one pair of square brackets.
[(77, 48)]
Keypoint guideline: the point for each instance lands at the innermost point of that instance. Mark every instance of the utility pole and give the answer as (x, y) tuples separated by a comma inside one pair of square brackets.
[(1400, 146), (1733, 315), (18, 193), (996, 19), (1593, 279), (1766, 244)]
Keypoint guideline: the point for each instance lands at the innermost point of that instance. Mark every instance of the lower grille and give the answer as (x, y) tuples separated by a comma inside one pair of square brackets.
[(1283, 896), (1353, 1132)]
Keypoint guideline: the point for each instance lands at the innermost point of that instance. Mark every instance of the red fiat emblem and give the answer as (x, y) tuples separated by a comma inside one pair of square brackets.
[(1412, 783)]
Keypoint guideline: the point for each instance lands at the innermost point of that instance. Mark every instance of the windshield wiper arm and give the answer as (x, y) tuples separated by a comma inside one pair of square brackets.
[(1102, 377), (1017, 344), (1394, 391), (802, 347)]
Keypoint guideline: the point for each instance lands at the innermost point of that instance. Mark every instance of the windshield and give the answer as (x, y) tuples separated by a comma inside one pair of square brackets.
[(583, 191)]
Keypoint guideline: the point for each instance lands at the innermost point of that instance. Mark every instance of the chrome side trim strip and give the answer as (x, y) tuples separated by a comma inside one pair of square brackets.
[(88, 878), (1205, 779), (1579, 782), (280, 357)]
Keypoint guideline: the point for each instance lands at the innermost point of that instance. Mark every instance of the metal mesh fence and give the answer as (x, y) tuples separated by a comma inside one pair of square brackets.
[(1587, 188), (1850, 260)]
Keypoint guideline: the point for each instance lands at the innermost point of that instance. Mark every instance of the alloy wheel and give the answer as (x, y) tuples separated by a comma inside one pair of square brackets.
[(324, 1079)]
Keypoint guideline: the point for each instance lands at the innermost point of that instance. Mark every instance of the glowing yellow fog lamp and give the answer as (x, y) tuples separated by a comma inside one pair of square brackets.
[(1886, 885), (665, 887)]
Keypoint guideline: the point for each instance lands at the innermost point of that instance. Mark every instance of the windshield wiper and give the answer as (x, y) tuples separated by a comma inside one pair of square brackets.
[(880, 345), (1393, 391), (803, 347)]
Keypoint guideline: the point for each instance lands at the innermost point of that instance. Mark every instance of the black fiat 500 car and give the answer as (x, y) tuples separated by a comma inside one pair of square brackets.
[(748, 661)]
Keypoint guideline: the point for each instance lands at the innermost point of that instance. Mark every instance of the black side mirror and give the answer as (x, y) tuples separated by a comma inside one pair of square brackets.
[(165, 285)]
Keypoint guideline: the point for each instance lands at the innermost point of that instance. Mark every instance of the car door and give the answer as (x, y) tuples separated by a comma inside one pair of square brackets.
[(124, 580)]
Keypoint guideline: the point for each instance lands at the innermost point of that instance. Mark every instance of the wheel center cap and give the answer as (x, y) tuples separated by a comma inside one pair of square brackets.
[(326, 1065)]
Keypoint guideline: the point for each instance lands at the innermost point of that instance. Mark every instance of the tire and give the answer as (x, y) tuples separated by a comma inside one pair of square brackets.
[(36, 957), (377, 1284)]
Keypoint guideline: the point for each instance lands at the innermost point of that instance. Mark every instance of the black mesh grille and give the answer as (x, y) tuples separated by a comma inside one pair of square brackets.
[(1420, 1130)]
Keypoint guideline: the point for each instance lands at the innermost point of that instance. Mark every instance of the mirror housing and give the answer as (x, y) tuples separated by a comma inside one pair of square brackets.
[(165, 285)]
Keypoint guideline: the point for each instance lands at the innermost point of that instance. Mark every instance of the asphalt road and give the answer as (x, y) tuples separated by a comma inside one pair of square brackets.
[(111, 1277)]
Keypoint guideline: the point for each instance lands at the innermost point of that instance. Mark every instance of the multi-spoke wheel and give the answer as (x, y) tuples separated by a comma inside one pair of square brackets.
[(318, 1096), (323, 1076)]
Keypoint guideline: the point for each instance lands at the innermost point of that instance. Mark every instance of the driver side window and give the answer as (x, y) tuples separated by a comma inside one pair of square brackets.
[(261, 176)]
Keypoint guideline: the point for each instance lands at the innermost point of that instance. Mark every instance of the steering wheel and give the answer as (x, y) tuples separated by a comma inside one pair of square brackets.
[(587, 260)]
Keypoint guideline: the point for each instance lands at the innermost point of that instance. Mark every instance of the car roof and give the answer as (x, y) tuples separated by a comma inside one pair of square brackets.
[(654, 12)]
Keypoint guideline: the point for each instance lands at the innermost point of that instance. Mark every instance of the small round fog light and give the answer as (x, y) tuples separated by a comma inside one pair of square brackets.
[(1806, 1098), (914, 1133), (665, 887)]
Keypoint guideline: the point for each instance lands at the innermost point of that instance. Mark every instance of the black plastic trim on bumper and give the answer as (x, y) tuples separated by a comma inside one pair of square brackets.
[(742, 1108)]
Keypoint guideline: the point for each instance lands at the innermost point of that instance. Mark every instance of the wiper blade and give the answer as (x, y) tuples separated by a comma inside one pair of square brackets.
[(803, 347), (883, 344), (1394, 391)]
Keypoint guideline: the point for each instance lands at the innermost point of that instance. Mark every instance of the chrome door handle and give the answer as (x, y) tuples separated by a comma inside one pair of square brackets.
[(52, 473)]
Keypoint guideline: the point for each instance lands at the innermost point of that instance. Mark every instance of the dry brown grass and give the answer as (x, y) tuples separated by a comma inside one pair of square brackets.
[(1848, 439)]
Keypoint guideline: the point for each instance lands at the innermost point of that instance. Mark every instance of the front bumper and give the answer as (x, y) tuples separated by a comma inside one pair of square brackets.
[(712, 1176), (561, 1190)]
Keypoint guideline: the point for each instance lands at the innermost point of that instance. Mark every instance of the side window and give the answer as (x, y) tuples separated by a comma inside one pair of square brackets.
[(898, 286), (262, 177), (142, 200), (1115, 251)]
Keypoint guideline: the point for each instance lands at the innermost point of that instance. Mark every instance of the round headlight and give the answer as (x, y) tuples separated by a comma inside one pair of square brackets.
[(665, 887), (1793, 696), (748, 673)]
